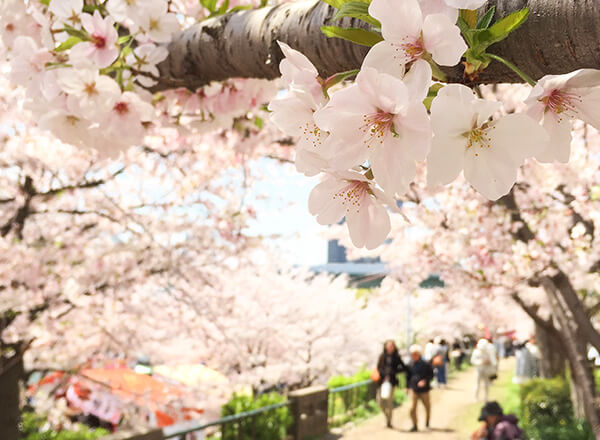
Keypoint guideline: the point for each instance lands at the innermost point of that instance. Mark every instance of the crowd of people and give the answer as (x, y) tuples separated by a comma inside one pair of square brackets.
[(427, 367)]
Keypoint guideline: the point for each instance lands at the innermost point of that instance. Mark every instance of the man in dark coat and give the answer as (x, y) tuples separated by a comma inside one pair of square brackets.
[(389, 365), (418, 382)]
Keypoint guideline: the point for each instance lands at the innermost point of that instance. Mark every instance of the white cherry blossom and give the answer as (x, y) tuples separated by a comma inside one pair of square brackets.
[(466, 4), (556, 99), (90, 94), (409, 35), (381, 120), (125, 119), (352, 195), (28, 62), (67, 10), (450, 8), (158, 23), (123, 10), (489, 151), (102, 49), (145, 58), (68, 127), (293, 111), (429, 7)]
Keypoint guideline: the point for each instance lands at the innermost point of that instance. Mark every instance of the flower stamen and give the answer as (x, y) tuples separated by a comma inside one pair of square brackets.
[(376, 126)]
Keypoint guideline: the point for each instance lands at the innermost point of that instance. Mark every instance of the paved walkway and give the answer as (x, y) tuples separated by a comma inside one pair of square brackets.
[(449, 407)]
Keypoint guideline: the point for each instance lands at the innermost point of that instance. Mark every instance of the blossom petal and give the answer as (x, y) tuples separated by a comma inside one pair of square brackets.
[(446, 159), (443, 40), (399, 19), (558, 147), (388, 58), (368, 226), (418, 80)]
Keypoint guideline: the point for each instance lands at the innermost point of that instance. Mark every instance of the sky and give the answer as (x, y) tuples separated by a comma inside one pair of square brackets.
[(281, 202)]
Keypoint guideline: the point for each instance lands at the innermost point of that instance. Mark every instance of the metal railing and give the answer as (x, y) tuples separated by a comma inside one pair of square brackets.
[(345, 400), (240, 426)]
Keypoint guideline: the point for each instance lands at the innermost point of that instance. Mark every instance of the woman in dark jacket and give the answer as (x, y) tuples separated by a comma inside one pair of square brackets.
[(388, 366)]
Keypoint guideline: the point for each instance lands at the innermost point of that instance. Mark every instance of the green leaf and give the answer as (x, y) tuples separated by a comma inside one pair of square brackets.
[(67, 44), (484, 38), (211, 5), (486, 19), (469, 16), (45, 2), (124, 39), (356, 9), (466, 31), (431, 94), (336, 3), (338, 78), (356, 35), (74, 32)]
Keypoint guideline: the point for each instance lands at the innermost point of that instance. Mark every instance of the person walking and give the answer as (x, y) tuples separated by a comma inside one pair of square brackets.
[(486, 363), (440, 361), (418, 382), (389, 365), (496, 425), (527, 365)]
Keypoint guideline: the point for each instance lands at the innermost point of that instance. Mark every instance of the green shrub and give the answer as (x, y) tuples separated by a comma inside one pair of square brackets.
[(547, 412), (32, 426), (546, 402), (270, 425), (340, 380)]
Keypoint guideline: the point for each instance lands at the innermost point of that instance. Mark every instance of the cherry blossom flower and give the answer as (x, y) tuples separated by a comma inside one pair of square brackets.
[(429, 7), (379, 119), (293, 112), (158, 23), (102, 48), (144, 58), (556, 99), (466, 4), (126, 118), (351, 195), (123, 10), (29, 61), (449, 8), (297, 71), (490, 152), (90, 94), (409, 35), (66, 126), (67, 10)]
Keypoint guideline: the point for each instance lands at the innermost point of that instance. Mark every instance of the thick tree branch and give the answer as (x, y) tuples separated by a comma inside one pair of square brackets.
[(560, 36), (532, 311)]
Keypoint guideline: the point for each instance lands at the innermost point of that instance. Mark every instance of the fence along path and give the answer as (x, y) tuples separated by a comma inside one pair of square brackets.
[(447, 407)]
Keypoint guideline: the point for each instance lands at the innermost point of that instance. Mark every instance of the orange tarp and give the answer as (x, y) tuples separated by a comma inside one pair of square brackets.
[(129, 384)]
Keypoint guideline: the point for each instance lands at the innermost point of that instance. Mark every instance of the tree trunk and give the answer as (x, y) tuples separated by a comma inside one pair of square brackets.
[(575, 343), (11, 372), (554, 358), (560, 36)]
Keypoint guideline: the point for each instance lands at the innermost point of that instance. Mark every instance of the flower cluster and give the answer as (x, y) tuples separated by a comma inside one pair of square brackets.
[(84, 66), (368, 137)]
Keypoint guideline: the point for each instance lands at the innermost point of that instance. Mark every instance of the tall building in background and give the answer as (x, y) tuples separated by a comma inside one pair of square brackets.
[(363, 273)]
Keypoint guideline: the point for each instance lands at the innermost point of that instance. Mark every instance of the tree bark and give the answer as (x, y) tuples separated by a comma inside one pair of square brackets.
[(553, 354), (560, 36), (575, 343), (11, 372)]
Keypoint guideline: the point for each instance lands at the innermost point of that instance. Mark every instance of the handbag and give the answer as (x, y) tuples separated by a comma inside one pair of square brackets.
[(375, 376), (386, 390), (437, 360)]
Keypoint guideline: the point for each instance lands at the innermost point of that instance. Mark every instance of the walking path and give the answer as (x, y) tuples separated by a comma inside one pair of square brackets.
[(452, 408)]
